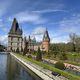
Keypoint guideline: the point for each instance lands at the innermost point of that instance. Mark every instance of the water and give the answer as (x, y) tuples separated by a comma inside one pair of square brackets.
[(11, 69)]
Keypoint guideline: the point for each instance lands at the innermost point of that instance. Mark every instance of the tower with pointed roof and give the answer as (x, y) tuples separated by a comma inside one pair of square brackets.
[(46, 41), (15, 37)]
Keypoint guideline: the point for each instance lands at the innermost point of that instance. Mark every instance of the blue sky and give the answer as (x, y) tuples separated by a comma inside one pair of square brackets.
[(60, 17)]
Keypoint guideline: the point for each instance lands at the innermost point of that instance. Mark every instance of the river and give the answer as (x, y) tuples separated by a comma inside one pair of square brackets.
[(11, 69)]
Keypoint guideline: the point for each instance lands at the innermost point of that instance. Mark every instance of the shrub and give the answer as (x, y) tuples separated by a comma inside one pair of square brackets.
[(29, 56), (60, 65)]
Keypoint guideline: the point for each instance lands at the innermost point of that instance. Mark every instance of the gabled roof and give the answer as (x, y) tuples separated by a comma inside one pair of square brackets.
[(15, 28)]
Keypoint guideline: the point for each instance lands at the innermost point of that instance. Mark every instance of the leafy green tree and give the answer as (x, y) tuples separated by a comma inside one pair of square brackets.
[(39, 55), (55, 50), (21, 49), (25, 51), (63, 56), (2, 48), (17, 50)]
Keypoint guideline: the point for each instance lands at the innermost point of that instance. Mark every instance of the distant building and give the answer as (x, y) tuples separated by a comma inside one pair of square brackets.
[(15, 37), (33, 44), (15, 40)]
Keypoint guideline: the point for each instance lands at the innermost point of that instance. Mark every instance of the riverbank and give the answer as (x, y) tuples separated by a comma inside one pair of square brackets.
[(40, 71)]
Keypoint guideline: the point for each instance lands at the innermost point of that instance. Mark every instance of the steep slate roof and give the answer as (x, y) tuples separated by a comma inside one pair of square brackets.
[(46, 36), (15, 28)]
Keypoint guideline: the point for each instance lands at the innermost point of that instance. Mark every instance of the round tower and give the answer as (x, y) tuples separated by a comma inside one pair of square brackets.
[(46, 41)]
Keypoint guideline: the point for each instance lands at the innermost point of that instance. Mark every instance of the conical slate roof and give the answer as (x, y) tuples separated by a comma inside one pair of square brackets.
[(15, 28), (46, 36)]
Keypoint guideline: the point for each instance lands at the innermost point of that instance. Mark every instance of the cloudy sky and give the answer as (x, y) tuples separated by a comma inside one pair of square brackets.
[(60, 17)]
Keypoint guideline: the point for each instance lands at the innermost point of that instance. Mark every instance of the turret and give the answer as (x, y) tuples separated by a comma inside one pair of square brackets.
[(46, 41), (15, 37)]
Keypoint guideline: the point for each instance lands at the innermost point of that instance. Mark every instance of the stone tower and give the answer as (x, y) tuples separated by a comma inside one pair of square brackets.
[(46, 41), (15, 37)]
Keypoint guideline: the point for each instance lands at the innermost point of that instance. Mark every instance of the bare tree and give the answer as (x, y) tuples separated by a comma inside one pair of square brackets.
[(75, 40), (78, 44)]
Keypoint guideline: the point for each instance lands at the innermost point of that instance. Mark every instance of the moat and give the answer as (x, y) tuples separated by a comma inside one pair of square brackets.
[(11, 69)]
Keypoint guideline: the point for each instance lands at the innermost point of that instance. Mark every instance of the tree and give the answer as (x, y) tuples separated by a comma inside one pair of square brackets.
[(21, 49), (63, 56), (17, 50), (73, 37), (55, 51), (25, 51), (77, 44), (2, 47), (75, 40), (39, 55)]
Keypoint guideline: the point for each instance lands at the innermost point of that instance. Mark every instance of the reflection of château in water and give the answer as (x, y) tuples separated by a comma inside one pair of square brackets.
[(16, 41)]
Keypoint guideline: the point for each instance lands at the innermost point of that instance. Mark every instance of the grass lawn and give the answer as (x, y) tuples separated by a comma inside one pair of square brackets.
[(46, 66), (73, 58)]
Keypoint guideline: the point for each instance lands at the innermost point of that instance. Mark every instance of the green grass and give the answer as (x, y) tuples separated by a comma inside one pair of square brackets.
[(73, 58), (46, 66)]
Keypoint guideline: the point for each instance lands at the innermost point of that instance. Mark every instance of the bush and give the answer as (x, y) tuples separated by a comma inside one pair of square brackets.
[(60, 65), (29, 56)]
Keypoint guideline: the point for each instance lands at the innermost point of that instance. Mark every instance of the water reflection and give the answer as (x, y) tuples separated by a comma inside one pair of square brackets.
[(10, 69), (3, 66)]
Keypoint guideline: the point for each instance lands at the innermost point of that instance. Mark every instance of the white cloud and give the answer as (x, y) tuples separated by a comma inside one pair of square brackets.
[(4, 39), (71, 25), (39, 37), (38, 31), (28, 17), (66, 26), (49, 10), (2, 26), (50, 6), (60, 39)]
